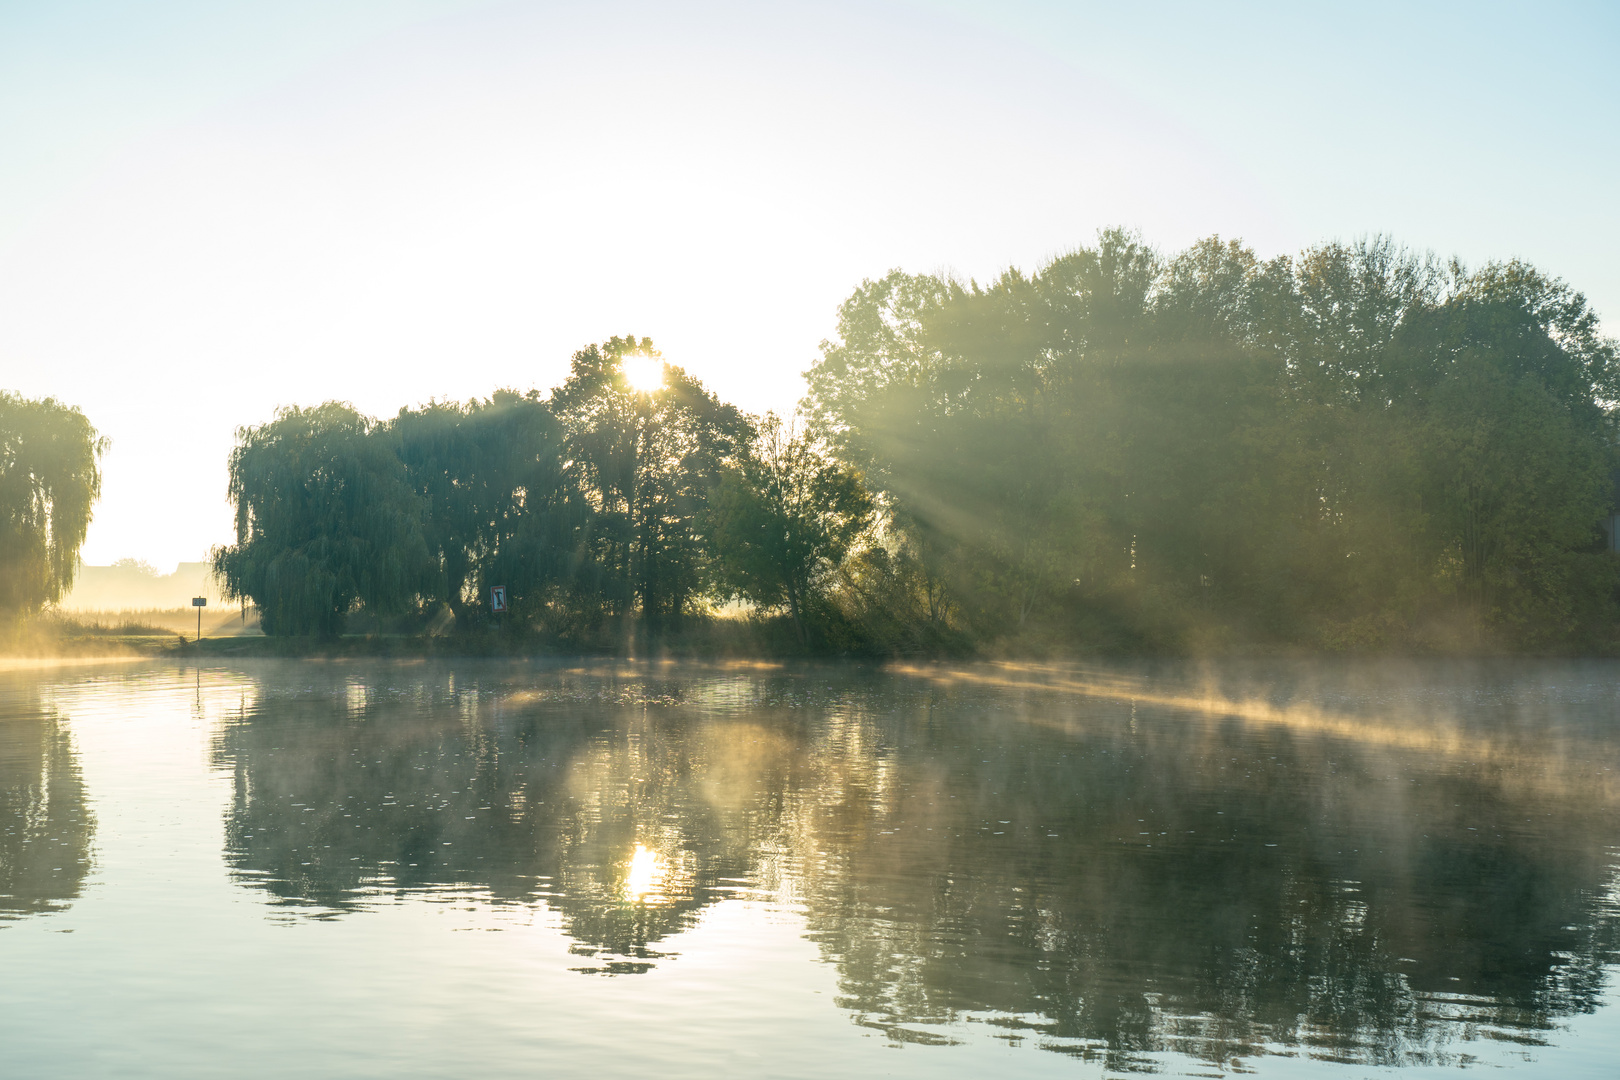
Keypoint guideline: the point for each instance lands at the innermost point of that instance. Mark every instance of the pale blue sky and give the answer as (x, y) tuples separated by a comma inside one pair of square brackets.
[(209, 209)]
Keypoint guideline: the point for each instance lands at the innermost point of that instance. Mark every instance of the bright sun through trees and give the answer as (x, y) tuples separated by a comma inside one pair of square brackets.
[(645, 374), (1062, 593), (1358, 448)]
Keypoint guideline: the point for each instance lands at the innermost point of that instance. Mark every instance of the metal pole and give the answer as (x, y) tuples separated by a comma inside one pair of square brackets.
[(199, 625)]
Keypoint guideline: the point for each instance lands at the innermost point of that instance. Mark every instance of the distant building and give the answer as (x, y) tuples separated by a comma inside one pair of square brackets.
[(128, 585)]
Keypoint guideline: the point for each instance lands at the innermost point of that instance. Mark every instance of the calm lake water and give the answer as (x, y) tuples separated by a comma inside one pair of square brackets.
[(525, 869)]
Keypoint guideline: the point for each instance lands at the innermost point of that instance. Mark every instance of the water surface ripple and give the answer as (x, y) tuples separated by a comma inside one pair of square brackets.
[(356, 869)]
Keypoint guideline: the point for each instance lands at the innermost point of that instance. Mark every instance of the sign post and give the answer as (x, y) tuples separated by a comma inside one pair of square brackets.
[(199, 602), (497, 598)]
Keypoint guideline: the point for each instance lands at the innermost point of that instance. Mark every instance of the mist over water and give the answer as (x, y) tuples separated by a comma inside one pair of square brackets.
[(417, 869)]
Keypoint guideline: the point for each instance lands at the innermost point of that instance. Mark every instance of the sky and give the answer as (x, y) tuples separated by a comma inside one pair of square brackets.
[(211, 208)]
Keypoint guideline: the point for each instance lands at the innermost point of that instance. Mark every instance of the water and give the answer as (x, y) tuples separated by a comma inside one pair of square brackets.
[(513, 869)]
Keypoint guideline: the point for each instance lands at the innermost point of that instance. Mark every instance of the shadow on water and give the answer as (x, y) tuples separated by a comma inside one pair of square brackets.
[(45, 827), (1371, 865)]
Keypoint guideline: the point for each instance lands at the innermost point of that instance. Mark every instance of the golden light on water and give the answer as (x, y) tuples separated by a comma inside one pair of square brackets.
[(644, 373), (1434, 734), (647, 869)]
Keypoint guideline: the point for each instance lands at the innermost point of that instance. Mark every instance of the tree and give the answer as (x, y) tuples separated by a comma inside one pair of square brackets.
[(645, 454), (325, 518), (784, 517), (500, 506), (1356, 446), (50, 478), (535, 516), (1517, 453)]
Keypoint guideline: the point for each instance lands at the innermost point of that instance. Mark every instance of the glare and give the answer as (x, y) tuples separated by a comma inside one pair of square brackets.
[(644, 373), (646, 871)]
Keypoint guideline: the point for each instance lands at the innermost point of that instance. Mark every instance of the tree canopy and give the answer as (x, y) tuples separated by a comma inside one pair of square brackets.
[(1352, 447), (325, 518), (1355, 448), (50, 478), (590, 507), (498, 507), (646, 460), (784, 518)]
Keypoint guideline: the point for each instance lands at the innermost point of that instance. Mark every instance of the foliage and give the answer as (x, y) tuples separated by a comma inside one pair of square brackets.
[(325, 518), (499, 507), (1128, 451), (590, 507), (50, 477), (1353, 448), (645, 461), (784, 518)]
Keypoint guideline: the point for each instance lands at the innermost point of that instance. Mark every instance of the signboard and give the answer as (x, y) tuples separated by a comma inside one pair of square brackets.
[(199, 601), (497, 598)]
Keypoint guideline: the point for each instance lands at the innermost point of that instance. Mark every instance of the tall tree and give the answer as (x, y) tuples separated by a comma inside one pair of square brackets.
[(50, 478), (1355, 446), (500, 507), (784, 518), (647, 444), (325, 518)]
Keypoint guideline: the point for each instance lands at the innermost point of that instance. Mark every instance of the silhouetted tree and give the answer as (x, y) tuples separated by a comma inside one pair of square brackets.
[(784, 518), (500, 504), (325, 518), (1355, 447), (50, 478), (646, 460)]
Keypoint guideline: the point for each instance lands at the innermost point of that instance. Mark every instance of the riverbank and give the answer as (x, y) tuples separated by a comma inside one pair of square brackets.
[(160, 634)]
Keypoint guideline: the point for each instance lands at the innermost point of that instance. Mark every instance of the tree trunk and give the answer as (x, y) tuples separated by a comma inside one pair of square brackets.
[(793, 610)]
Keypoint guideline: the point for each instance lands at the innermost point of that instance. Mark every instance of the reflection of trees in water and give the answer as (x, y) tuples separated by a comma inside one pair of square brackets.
[(1203, 889), (521, 798), (45, 827), (1123, 886)]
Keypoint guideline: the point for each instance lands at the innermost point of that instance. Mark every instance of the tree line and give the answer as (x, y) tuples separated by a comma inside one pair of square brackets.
[(610, 511), (1354, 448)]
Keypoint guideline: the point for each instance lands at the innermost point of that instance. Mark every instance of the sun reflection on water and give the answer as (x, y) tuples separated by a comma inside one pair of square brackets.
[(647, 870)]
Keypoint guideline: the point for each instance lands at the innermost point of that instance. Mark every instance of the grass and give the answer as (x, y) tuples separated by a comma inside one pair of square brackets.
[(149, 632), (173, 632)]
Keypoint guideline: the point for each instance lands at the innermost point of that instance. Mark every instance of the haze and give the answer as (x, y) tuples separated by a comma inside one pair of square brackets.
[(207, 211)]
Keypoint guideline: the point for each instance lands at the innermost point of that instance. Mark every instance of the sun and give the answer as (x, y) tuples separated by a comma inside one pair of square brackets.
[(644, 373)]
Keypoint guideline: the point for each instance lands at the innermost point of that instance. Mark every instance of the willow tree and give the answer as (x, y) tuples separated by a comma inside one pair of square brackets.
[(325, 519), (50, 477), (500, 507)]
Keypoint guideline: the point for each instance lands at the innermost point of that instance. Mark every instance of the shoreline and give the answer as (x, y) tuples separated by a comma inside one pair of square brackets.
[(98, 648)]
